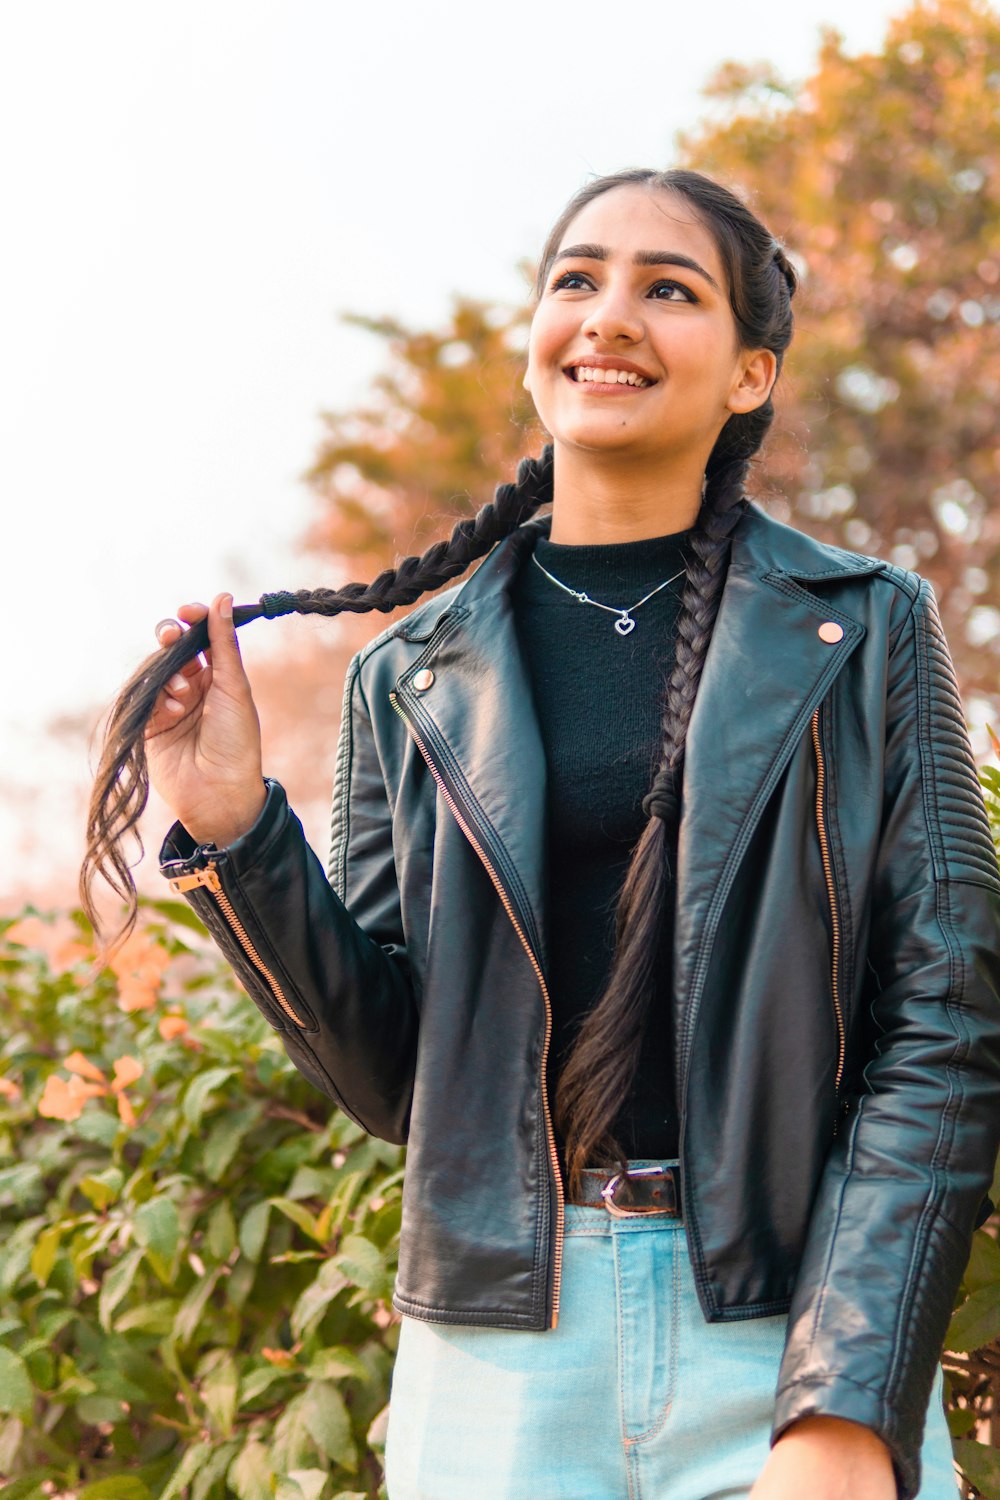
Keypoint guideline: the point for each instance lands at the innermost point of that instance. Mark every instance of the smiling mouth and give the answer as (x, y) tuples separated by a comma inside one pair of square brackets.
[(609, 379)]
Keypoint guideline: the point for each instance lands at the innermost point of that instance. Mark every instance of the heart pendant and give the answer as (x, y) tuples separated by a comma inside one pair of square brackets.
[(624, 625)]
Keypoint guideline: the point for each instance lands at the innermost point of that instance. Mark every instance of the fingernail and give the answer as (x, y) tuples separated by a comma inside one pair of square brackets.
[(178, 684), (226, 607)]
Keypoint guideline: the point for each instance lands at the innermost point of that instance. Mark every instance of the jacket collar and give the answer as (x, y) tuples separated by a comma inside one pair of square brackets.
[(765, 671)]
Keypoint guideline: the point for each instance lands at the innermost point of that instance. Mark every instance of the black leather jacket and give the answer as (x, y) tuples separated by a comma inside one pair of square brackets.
[(836, 965)]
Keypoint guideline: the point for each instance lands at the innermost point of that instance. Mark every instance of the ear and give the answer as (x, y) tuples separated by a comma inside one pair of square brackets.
[(757, 375)]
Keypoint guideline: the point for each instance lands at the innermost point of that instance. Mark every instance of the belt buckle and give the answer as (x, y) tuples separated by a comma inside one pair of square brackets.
[(613, 1183)]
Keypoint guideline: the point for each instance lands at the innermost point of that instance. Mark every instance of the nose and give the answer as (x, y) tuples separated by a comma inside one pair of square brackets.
[(613, 315)]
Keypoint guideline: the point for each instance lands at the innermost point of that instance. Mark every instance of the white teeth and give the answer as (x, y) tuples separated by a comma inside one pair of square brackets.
[(610, 377)]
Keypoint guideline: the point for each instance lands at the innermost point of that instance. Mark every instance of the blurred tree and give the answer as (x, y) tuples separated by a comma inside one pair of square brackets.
[(881, 174)]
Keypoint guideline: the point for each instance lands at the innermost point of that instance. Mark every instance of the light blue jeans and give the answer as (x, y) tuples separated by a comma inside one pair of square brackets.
[(631, 1397)]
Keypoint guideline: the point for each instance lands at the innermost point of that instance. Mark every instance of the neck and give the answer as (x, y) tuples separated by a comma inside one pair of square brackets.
[(599, 498)]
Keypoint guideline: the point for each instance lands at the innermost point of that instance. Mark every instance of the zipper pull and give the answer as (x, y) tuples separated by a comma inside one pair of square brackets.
[(208, 876)]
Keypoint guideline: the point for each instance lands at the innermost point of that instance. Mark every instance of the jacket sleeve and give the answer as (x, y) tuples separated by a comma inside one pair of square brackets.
[(324, 959), (891, 1229)]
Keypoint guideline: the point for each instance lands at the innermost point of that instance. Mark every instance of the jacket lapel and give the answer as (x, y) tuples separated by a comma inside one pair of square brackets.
[(765, 671), (481, 728)]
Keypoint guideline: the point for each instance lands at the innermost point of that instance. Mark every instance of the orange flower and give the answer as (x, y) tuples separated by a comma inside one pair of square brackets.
[(172, 1025), (139, 966), (65, 1101), (77, 1063), (59, 941), (9, 1089)]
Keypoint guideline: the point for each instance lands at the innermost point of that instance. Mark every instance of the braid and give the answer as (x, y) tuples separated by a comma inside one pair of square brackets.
[(121, 784)]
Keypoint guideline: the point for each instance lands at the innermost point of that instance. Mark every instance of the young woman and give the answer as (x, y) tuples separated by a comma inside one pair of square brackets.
[(662, 921)]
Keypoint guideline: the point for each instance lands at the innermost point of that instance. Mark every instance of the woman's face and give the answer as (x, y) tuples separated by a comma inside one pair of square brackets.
[(638, 286)]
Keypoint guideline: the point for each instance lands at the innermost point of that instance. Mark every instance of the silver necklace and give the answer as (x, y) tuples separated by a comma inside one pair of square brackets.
[(624, 623)]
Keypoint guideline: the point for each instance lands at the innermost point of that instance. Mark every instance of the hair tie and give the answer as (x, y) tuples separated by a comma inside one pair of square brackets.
[(661, 799), (278, 604)]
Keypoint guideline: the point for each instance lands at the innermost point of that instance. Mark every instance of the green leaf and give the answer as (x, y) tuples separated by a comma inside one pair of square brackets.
[(192, 1459), (20, 1182), (212, 1471), (362, 1264), (980, 1464), (976, 1323), (256, 1382), (293, 1445), (16, 1393), (225, 1137), (300, 1216), (98, 1126), (316, 1298), (961, 1420), (43, 1257), (157, 1226), (249, 1475), (253, 1229), (102, 1188), (116, 1487), (149, 1317), (197, 1093), (330, 1424), (310, 1482), (179, 913), (189, 1313), (116, 1285), (336, 1363), (984, 1263), (218, 1391), (221, 1230)]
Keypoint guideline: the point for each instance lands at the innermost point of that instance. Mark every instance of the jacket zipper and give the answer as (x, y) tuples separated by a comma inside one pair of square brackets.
[(832, 893), (209, 878), (550, 1134)]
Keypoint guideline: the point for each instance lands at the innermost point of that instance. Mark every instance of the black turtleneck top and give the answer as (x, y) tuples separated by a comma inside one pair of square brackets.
[(599, 700)]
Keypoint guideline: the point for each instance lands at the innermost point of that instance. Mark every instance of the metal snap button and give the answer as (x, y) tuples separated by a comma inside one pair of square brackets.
[(423, 679), (830, 631)]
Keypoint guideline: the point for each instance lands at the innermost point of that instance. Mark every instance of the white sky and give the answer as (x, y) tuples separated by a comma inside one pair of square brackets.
[(191, 194)]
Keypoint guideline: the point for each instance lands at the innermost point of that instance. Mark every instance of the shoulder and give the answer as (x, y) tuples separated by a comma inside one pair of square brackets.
[(768, 544), (390, 652)]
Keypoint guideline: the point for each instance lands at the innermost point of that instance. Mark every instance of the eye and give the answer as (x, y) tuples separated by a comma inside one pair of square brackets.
[(674, 286), (567, 276)]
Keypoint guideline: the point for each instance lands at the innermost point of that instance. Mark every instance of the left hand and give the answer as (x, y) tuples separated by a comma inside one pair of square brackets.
[(827, 1458)]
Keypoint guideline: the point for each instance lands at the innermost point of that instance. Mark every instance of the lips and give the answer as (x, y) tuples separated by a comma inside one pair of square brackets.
[(609, 373), (612, 382)]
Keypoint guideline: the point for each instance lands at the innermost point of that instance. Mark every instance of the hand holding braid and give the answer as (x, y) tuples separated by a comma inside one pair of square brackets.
[(206, 748)]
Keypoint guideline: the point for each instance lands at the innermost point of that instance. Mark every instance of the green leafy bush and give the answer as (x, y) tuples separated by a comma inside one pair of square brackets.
[(197, 1251)]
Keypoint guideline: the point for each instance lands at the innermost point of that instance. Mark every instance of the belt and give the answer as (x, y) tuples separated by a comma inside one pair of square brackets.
[(642, 1190)]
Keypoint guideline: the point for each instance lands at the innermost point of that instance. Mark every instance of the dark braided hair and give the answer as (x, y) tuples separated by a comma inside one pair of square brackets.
[(596, 1077), (121, 784), (602, 1064)]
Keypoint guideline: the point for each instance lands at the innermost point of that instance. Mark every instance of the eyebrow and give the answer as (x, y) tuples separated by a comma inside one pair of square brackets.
[(640, 258)]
